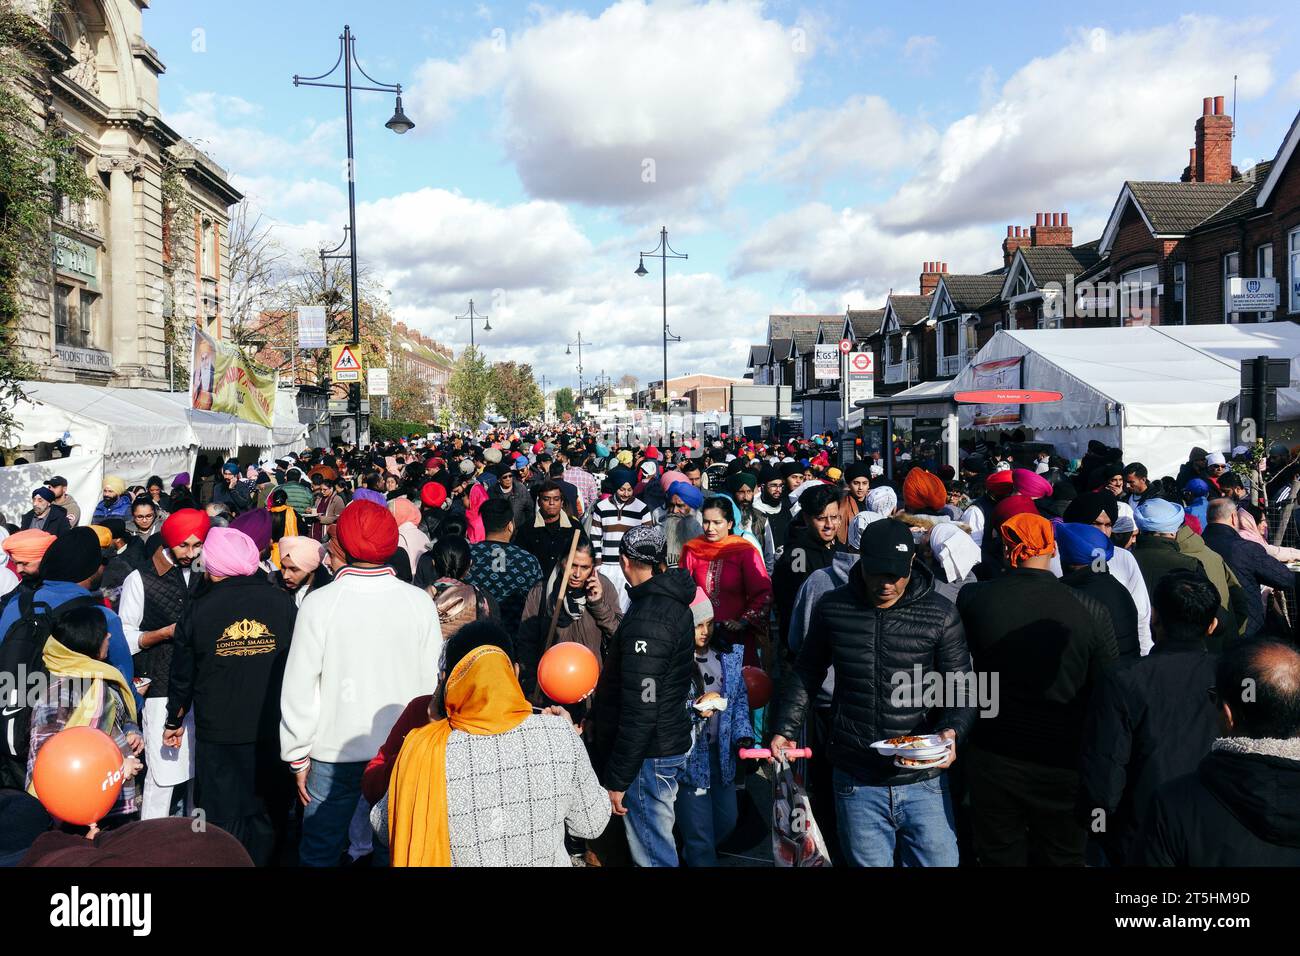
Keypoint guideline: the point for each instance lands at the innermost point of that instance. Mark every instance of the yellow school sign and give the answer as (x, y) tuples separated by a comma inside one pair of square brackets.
[(346, 363)]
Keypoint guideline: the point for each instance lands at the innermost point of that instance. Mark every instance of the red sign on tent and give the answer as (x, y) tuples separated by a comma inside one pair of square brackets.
[(1009, 396)]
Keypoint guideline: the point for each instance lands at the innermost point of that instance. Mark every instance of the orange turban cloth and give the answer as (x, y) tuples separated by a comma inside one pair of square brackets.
[(29, 545), (923, 491), (1027, 536), (103, 534)]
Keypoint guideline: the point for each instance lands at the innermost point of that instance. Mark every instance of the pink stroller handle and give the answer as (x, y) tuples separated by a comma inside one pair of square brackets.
[(762, 753)]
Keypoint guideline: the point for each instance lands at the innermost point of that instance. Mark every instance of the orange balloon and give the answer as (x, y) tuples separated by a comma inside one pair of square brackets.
[(568, 672), (78, 775)]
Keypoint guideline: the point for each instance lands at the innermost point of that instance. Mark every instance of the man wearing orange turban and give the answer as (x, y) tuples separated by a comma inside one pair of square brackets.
[(1048, 645), (26, 548), (923, 492), (1027, 535)]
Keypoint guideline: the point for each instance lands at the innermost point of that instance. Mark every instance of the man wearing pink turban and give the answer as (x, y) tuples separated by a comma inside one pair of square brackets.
[(300, 567), (1029, 484), (409, 536)]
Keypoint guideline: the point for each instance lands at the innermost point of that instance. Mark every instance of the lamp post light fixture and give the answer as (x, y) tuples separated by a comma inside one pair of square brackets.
[(568, 350), (664, 252), (473, 317), (400, 123)]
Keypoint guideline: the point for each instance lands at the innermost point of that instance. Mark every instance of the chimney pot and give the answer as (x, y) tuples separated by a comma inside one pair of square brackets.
[(1056, 219), (1065, 219), (1009, 232), (945, 267), (1218, 106), (1038, 219), (1207, 106)]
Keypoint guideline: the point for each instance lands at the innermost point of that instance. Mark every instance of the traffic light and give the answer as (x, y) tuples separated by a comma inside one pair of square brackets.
[(354, 397)]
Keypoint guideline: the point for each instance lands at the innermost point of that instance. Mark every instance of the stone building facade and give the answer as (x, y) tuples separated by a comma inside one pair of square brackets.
[(145, 256)]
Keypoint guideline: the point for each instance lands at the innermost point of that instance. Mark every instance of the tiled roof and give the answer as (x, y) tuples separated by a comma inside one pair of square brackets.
[(910, 309), (1175, 209), (780, 350), (969, 292), (865, 322), (1055, 263), (1244, 204), (805, 339), (783, 326), (759, 355)]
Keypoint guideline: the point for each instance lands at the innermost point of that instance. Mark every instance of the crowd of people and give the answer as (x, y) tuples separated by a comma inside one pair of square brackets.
[(334, 658)]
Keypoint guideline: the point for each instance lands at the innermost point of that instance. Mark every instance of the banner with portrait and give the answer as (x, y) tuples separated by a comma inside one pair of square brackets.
[(223, 380)]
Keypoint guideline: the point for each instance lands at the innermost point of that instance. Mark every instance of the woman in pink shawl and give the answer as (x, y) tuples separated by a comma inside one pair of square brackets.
[(477, 495)]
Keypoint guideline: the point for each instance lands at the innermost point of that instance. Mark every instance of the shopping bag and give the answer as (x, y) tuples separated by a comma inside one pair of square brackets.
[(796, 839)]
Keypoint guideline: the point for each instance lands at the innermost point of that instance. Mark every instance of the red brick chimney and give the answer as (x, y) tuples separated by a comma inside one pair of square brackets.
[(1017, 236), (930, 273), (1052, 229), (1210, 160)]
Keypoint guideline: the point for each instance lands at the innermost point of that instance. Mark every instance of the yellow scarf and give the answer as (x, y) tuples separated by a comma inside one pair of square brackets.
[(290, 530), (482, 697), (63, 662)]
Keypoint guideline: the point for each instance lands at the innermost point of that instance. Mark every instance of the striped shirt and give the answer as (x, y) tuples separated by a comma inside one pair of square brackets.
[(613, 519)]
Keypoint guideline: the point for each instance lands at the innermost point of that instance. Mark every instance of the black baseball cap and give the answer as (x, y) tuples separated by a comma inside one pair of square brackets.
[(56, 480), (887, 548)]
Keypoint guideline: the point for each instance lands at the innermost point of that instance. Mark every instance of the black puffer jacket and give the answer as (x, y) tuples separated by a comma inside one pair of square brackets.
[(868, 647), (638, 710)]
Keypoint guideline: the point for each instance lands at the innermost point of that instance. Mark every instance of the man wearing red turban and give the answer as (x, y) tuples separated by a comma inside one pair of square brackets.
[(923, 492), (362, 649), (153, 599)]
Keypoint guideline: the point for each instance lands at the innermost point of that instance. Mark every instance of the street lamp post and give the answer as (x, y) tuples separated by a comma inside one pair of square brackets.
[(568, 350), (664, 252), (398, 124), (474, 317)]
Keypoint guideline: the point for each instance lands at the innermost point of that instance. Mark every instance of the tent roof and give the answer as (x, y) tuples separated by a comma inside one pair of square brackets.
[(127, 425)]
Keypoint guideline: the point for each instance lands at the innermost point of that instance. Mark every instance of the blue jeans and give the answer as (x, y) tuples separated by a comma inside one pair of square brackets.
[(650, 802), (334, 789), (706, 817), (916, 817)]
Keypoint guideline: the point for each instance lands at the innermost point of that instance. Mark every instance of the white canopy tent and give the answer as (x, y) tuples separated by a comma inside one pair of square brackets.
[(1155, 391), (133, 433)]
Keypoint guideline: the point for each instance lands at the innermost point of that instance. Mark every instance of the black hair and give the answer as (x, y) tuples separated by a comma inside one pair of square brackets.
[(814, 502), (146, 501), (1260, 681), (81, 630), (450, 556), (1185, 602), (690, 464), (279, 498), (720, 503), (474, 635), (1230, 479), (497, 513), (557, 470), (1136, 468), (546, 487), (154, 480)]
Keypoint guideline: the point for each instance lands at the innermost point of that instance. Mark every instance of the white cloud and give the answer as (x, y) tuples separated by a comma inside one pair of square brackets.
[(847, 251), (225, 127), (1293, 85), (863, 133), (1072, 126), (920, 51), (594, 106)]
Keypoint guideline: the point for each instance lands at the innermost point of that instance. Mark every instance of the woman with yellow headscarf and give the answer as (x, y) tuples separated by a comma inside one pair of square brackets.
[(491, 783)]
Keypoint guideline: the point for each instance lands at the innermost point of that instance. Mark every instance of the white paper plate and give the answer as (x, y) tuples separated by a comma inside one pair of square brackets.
[(930, 745)]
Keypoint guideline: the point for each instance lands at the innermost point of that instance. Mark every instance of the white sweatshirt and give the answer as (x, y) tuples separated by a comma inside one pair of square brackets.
[(363, 648)]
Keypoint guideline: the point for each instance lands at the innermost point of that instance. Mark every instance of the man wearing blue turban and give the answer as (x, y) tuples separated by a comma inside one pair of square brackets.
[(1085, 552)]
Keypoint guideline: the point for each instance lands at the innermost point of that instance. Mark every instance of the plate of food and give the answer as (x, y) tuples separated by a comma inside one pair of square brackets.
[(920, 747)]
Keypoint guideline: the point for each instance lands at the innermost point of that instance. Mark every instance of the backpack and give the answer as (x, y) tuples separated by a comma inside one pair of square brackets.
[(21, 657)]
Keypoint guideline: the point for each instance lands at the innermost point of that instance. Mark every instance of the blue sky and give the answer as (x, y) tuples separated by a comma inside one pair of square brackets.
[(806, 156)]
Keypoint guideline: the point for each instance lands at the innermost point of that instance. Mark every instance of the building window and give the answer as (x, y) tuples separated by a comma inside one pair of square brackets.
[(61, 332), (1264, 270), (209, 251), (74, 316), (1231, 269), (1293, 269), (1139, 296), (1178, 314)]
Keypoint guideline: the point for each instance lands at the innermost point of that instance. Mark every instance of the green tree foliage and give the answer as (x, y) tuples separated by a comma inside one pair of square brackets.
[(515, 392), (564, 401), (470, 388)]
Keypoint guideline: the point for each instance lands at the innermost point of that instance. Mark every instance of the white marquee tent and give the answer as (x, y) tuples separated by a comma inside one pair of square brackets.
[(133, 433), (1155, 391)]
